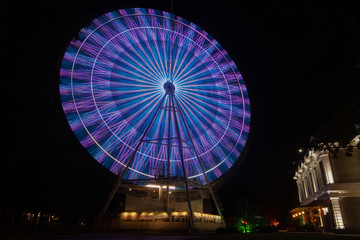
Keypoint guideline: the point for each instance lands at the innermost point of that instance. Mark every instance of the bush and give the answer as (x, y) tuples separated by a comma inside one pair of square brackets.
[(222, 230), (266, 229), (306, 228)]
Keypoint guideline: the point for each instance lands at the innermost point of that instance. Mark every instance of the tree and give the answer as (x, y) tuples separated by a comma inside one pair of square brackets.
[(247, 217)]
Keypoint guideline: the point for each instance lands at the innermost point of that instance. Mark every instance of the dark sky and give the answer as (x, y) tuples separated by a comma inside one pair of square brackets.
[(300, 61)]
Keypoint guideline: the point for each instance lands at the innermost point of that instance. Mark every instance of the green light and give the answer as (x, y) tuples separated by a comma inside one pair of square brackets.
[(245, 227)]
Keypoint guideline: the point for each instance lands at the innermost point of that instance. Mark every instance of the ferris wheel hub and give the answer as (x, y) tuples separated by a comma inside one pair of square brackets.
[(169, 88)]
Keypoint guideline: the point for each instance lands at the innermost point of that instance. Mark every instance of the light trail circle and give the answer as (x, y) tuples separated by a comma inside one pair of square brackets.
[(112, 81)]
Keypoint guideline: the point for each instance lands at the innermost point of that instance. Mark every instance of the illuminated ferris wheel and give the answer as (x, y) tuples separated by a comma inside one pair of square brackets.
[(148, 93)]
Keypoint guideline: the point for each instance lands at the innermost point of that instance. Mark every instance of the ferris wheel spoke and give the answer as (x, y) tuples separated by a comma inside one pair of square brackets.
[(204, 117), (197, 119), (205, 101), (184, 64), (142, 122), (110, 55), (158, 68), (123, 129), (205, 108), (132, 67), (133, 74), (165, 46), (185, 120), (158, 54), (195, 73), (207, 81), (181, 54), (106, 103), (193, 109), (192, 65), (135, 94), (208, 94), (149, 62), (131, 55), (128, 85), (139, 110), (131, 101)]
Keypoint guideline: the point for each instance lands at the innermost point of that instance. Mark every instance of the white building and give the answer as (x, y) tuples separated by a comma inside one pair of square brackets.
[(328, 182)]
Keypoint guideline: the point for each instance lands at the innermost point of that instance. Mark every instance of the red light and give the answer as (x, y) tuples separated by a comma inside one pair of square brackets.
[(274, 223)]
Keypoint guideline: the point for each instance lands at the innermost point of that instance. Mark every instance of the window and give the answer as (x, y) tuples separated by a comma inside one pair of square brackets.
[(128, 216), (179, 217), (161, 217), (146, 217)]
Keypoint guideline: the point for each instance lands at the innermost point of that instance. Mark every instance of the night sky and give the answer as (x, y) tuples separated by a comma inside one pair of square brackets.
[(300, 62)]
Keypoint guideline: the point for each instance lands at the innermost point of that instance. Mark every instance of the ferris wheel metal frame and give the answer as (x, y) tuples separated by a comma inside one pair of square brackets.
[(173, 106), (180, 133)]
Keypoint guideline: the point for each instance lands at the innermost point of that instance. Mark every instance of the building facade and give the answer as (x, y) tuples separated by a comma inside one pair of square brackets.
[(328, 183), (144, 208)]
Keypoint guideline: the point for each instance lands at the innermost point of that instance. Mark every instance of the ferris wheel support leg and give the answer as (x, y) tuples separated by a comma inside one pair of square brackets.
[(169, 153), (121, 177), (200, 163), (191, 218)]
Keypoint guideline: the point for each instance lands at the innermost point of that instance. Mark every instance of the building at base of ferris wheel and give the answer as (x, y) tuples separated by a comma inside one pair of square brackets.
[(145, 207), (328, 182)]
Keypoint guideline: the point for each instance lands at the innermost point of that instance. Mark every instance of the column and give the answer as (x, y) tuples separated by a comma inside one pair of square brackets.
[(313, 178), (299, 191), (337, 212), (319, 176), (305, 187), (327, 168)]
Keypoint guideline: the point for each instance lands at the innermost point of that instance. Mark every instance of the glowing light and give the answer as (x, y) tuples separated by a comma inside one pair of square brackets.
[(337, 213), (325, 210), (158, 186), (179, 213), (274, 223), (112, 81), (244, 227)]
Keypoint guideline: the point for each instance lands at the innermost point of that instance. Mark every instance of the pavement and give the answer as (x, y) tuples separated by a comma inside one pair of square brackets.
[(255, 236), (127, 236)]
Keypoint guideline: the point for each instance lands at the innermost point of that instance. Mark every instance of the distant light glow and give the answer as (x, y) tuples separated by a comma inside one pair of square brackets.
[(158, 186), (112, 81), (152, 186), (339, 222), (244, 226), (325, 210)]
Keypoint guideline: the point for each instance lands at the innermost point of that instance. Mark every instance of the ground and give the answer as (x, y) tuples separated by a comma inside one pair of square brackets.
[(122, 236)]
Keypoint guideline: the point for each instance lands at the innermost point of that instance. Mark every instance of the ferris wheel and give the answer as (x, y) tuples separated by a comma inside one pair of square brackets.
[(149, 93)]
